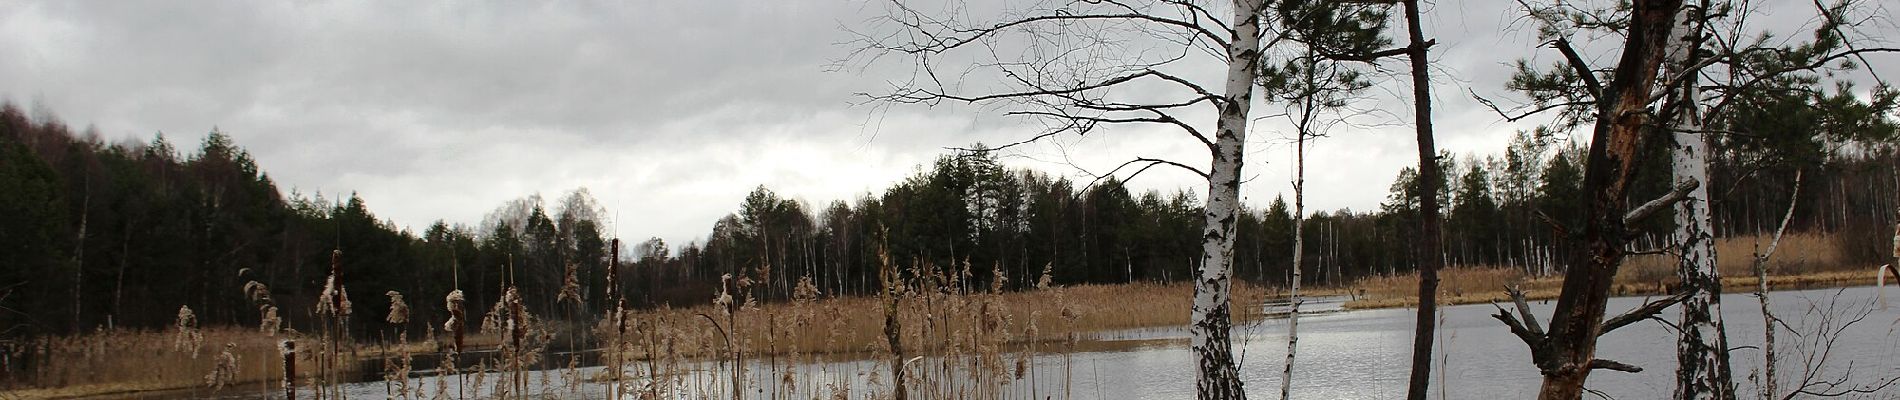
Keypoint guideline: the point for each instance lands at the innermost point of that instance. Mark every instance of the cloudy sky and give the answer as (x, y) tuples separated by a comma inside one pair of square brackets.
[(667, 111)]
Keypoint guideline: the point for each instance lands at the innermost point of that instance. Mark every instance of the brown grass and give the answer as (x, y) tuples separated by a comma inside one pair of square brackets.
[(1802, 261), (125, 362), (109, 362), (854, 324)]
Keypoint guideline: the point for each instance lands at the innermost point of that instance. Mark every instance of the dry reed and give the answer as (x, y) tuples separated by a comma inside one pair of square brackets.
[(1803, 261)]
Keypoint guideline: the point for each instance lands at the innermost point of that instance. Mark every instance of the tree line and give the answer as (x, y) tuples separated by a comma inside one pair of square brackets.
[(120, 234)]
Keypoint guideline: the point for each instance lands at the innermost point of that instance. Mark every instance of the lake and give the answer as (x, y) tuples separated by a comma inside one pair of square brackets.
[(1352, 355)]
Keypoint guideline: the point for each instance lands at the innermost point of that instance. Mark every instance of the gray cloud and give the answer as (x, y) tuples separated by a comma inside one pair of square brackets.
[(669, 111)]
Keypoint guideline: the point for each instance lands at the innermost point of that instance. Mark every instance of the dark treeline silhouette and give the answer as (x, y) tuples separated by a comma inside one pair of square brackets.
[(96, 234)]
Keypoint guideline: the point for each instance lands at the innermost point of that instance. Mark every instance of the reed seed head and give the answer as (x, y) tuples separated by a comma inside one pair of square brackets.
[(398, 310)]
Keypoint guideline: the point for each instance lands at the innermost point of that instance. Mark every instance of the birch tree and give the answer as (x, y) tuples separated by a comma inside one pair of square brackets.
[(1737, 62), (1078, 66), (1741, 64), (1702, 365), (1318, 96)]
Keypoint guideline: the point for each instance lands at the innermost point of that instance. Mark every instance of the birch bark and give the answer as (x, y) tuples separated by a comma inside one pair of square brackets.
[(1299, 251), (1702, 360), (1216, 374)]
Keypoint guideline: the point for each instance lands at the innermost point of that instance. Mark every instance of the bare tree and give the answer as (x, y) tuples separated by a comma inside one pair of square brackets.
[(1769, 322), (1079, 66), (1816, 337)]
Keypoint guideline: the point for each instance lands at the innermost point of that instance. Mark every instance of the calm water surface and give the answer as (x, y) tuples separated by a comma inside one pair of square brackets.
[(1366, 355)]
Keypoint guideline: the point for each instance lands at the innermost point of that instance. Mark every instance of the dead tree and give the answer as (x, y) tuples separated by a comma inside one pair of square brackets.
[(1566, 354), (1768, 319), (1066, 63)]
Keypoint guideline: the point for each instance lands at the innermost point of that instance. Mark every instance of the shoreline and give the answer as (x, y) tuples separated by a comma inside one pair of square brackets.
[(1548, 288), (1535, 289)]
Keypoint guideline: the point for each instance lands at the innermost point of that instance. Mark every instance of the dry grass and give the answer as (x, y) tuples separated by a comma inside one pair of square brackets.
[(129, 361), (1802, 261), (1799, 254), (122, 361), (854, 325), (942, 323)]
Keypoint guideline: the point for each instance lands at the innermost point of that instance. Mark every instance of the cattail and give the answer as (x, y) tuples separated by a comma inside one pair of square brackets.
[(326, 299), (805, 292), (343, 299), (570, 286), (257, 292), (188, 339), (500, 314), (723, 301), (455, 324), (613, 272), (998, 280), (269, 323), (226, 369), (398, 311), (1047, 276)]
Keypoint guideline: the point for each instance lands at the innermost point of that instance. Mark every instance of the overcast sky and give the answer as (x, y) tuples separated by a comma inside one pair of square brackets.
[(668, 111)]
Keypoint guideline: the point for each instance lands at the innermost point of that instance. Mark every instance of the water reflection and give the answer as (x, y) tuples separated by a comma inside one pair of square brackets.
[(1343, 355)]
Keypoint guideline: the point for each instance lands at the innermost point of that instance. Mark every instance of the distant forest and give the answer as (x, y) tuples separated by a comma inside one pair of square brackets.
[(96, 234)]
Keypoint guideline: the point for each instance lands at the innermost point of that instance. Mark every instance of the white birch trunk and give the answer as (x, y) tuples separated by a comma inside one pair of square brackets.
[(1216, 374), (1299, 250), (1702, 362)]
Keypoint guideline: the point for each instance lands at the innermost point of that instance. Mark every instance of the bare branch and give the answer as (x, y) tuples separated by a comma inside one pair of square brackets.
[(1375, 56), (926, 96), (949, 37), (1558, 227), (1681, 191), (1508, 117), (1524, 309), (1794, 197), (1582, 68), (1614, 366), (1146, 164), (1645, 312), (1535, 341)]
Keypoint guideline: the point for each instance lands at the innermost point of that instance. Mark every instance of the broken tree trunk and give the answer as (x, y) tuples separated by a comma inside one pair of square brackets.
[(1621, 122), (1769, 387)]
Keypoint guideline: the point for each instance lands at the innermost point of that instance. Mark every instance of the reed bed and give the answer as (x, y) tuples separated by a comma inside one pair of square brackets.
[(959, 341), (848, 325), (1803, 261), (125, 361)]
